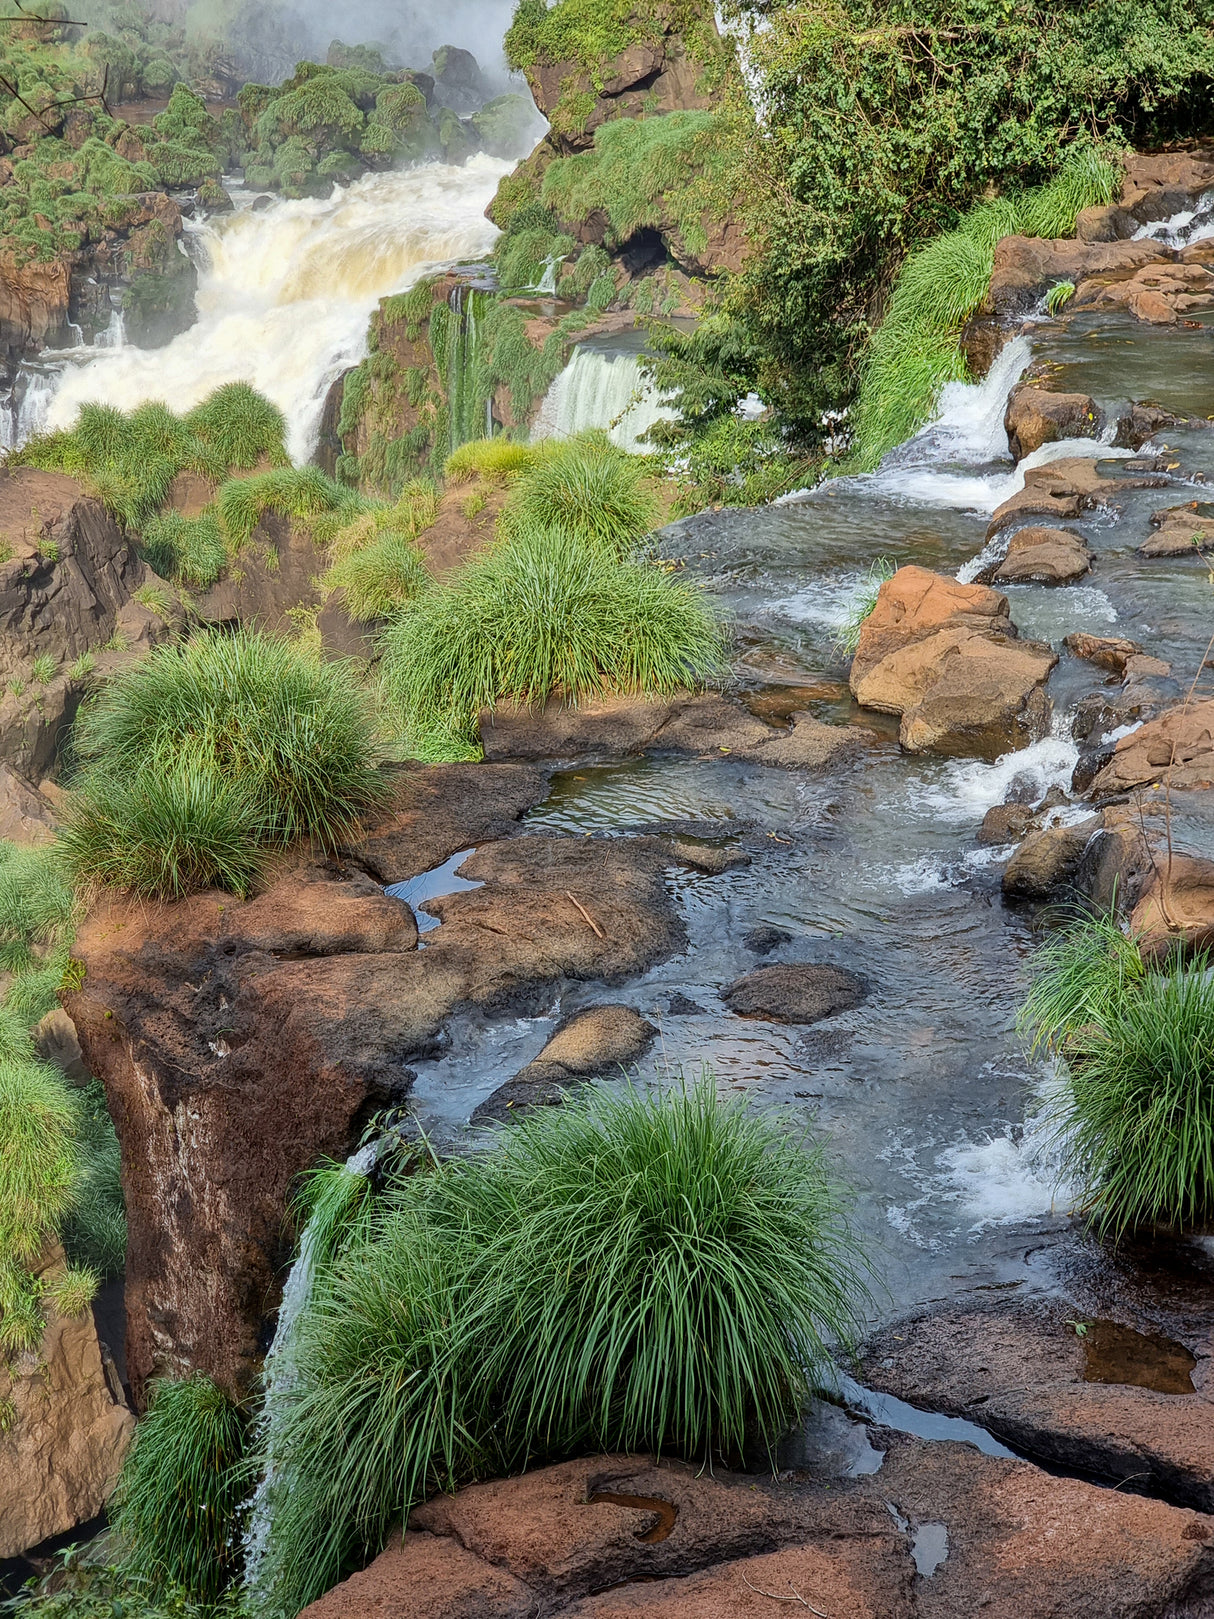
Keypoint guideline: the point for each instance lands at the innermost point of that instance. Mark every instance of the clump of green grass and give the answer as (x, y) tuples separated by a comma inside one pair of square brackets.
[(496, 460), (42, 669), (299, 492), (177, 1506), (915, 351), (38, 1164), (188, 550), (1059, 295), (37, 905), (622, 1272), (847, 638), (72, 1290), (588, 487), (203, 753), (380, 578), (1136, 1110), (241, 426), (543, 613), (94, 1232)]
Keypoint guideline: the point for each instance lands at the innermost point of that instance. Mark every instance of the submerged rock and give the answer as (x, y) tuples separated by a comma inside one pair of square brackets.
[(601, 1041), (949, 660), (1047, 860), (795, 992)]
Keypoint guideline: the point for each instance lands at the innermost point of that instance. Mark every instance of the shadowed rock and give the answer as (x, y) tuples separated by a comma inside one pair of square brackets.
[(600, 1041), (794, 992)]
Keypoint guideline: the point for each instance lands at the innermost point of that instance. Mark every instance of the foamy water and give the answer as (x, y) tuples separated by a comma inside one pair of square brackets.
[(286, 294)]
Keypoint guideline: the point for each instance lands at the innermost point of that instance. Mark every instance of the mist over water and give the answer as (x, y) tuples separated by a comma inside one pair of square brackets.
[(286, 294)]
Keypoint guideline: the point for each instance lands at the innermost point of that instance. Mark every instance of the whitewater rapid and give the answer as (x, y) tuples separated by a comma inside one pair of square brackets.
[(285, 294)]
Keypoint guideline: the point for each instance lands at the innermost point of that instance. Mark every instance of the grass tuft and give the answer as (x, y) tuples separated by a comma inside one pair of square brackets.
[(496, 460), (847, 639), (380, 578), (589, 488), (190, 551), (297, 492), (241, 426), (94, 1233), (538, 614), (621, 1272), (178, 1499)]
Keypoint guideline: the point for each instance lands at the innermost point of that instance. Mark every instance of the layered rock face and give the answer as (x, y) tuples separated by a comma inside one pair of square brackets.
[(239, 1042), (948, 659), (65, 1433)]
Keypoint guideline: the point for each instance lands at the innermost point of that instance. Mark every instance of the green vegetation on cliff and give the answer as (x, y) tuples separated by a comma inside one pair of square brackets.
[(1135, 1103), (619, 1273)]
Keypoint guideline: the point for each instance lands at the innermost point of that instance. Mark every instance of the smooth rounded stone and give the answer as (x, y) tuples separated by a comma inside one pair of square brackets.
[(1037, 416), (1115, 1400), (601, 1041), (1105, 651), (1005, 823), (1141, 668), (765, 938), (795, 992), (1178, 745), (1181, 531), (1046, 556), (1177, 906), (55, 1042), (710, 858)]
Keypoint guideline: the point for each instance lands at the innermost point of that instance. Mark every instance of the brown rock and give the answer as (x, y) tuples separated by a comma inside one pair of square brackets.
[(65, 1434), (212, 1022), (55, 1042), (1005, 823), (1036, 416), (1047, 860), (1181, 531), (1142, 667), (1116, 1402), (33, 303), (947, 658), (1179, 745), (1066, 489), (1104, 224), (25, 816), (1177, 906), (1026, 267), (426, 1577), (794, 992), (276, 573), (1105, 651), (1048, 556), (1160, 184), (600, 1041)]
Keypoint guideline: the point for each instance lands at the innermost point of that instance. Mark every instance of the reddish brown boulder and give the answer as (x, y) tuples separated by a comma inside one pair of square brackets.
[(1177, 906), (426, 1577), (1036, 416), (1105, 651), (1180, 531), (1178, 747), (948, 659), (1026, 267), (603, 1040), (1159, 294), (1045, 556), (1068, 488), (239, 1042), (1107, 1399)]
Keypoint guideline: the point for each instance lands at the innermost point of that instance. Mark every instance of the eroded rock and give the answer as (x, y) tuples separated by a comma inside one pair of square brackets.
[(1068, 488), (1180, 531), (1178, 745), (795, 992), (1037, 416), (1044, 556), (1177, 905), (1105, 651)]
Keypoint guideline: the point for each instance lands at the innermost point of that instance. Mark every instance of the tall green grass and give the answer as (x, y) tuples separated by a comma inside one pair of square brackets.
[(176, 1508), (587, 487), (94, 1231), (497, 460), (847, 637), (379, 578), (623, 1272), (241, 426), (542, 613), (204, 752), (1136, 1111), (188, 550), (300, 492), (915, 351)]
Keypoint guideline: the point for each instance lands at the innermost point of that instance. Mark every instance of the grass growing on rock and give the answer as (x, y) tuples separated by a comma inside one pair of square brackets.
[(202, 754), (622, 1272), (587, 487), (1136, 1110), (180, 1492), (540, 613)]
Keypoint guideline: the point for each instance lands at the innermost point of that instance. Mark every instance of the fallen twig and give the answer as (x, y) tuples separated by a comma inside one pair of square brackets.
[(586, 916), (775, 1597)]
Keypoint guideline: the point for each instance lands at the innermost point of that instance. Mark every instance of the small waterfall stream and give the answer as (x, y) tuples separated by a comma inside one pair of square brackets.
[(604, 388)]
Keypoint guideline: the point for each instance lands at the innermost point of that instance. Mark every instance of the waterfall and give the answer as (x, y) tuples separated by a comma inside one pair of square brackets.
[(285, 295), (114, 336), (469, 407), (601, 389)]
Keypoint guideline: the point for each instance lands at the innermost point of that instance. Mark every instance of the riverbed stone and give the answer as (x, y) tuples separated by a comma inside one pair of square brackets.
[(1068, 488), (430, 1575), (1047, 860), (1037, 416), (1005, 823), (603, 1040), (1181, 531), (947, 658), (233, 1055), (1112, 1400), (1105, 651), (1045, 556), (1178, 746), (1177, 905), (795, 992)]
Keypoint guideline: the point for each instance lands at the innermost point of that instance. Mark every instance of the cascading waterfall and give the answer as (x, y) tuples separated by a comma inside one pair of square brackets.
[(601, 389), (457, 348), (285, 295)]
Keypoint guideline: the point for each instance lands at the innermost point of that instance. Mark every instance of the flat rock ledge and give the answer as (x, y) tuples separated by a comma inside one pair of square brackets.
[(620, 1537)]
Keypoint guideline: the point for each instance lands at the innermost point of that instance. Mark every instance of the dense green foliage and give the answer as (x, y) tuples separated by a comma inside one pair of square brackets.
[(622, 1272), (538, 614), (588, 488), (203, 754), (94, 1233), (81, 1583), (379, 577), (176, 1507), (1136, 1108)]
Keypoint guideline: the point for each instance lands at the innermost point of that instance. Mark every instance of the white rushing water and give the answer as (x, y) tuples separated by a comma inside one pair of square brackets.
[(285, 295), (1182, 229), (601, 389)]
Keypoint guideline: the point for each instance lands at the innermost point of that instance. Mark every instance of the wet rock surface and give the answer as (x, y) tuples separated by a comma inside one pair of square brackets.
[(947, 658), (1104, 1399), (1180, 531), (1044, 556), (795, 992), (1068, 488), (1178, 744), (1037, 416), (1109, 652), (602, 1041)]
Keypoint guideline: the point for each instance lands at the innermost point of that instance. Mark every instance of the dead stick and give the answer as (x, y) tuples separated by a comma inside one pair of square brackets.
[(589, 920), (775, 1597)]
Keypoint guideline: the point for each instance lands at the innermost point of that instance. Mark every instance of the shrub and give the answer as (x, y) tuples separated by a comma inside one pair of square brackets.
[(1136, 1110), (176, 1508), (589, 488), (620, 1272), (544, 613), (188, 550), (205, 750), (379, 578), (241, 425), (496, 460)]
